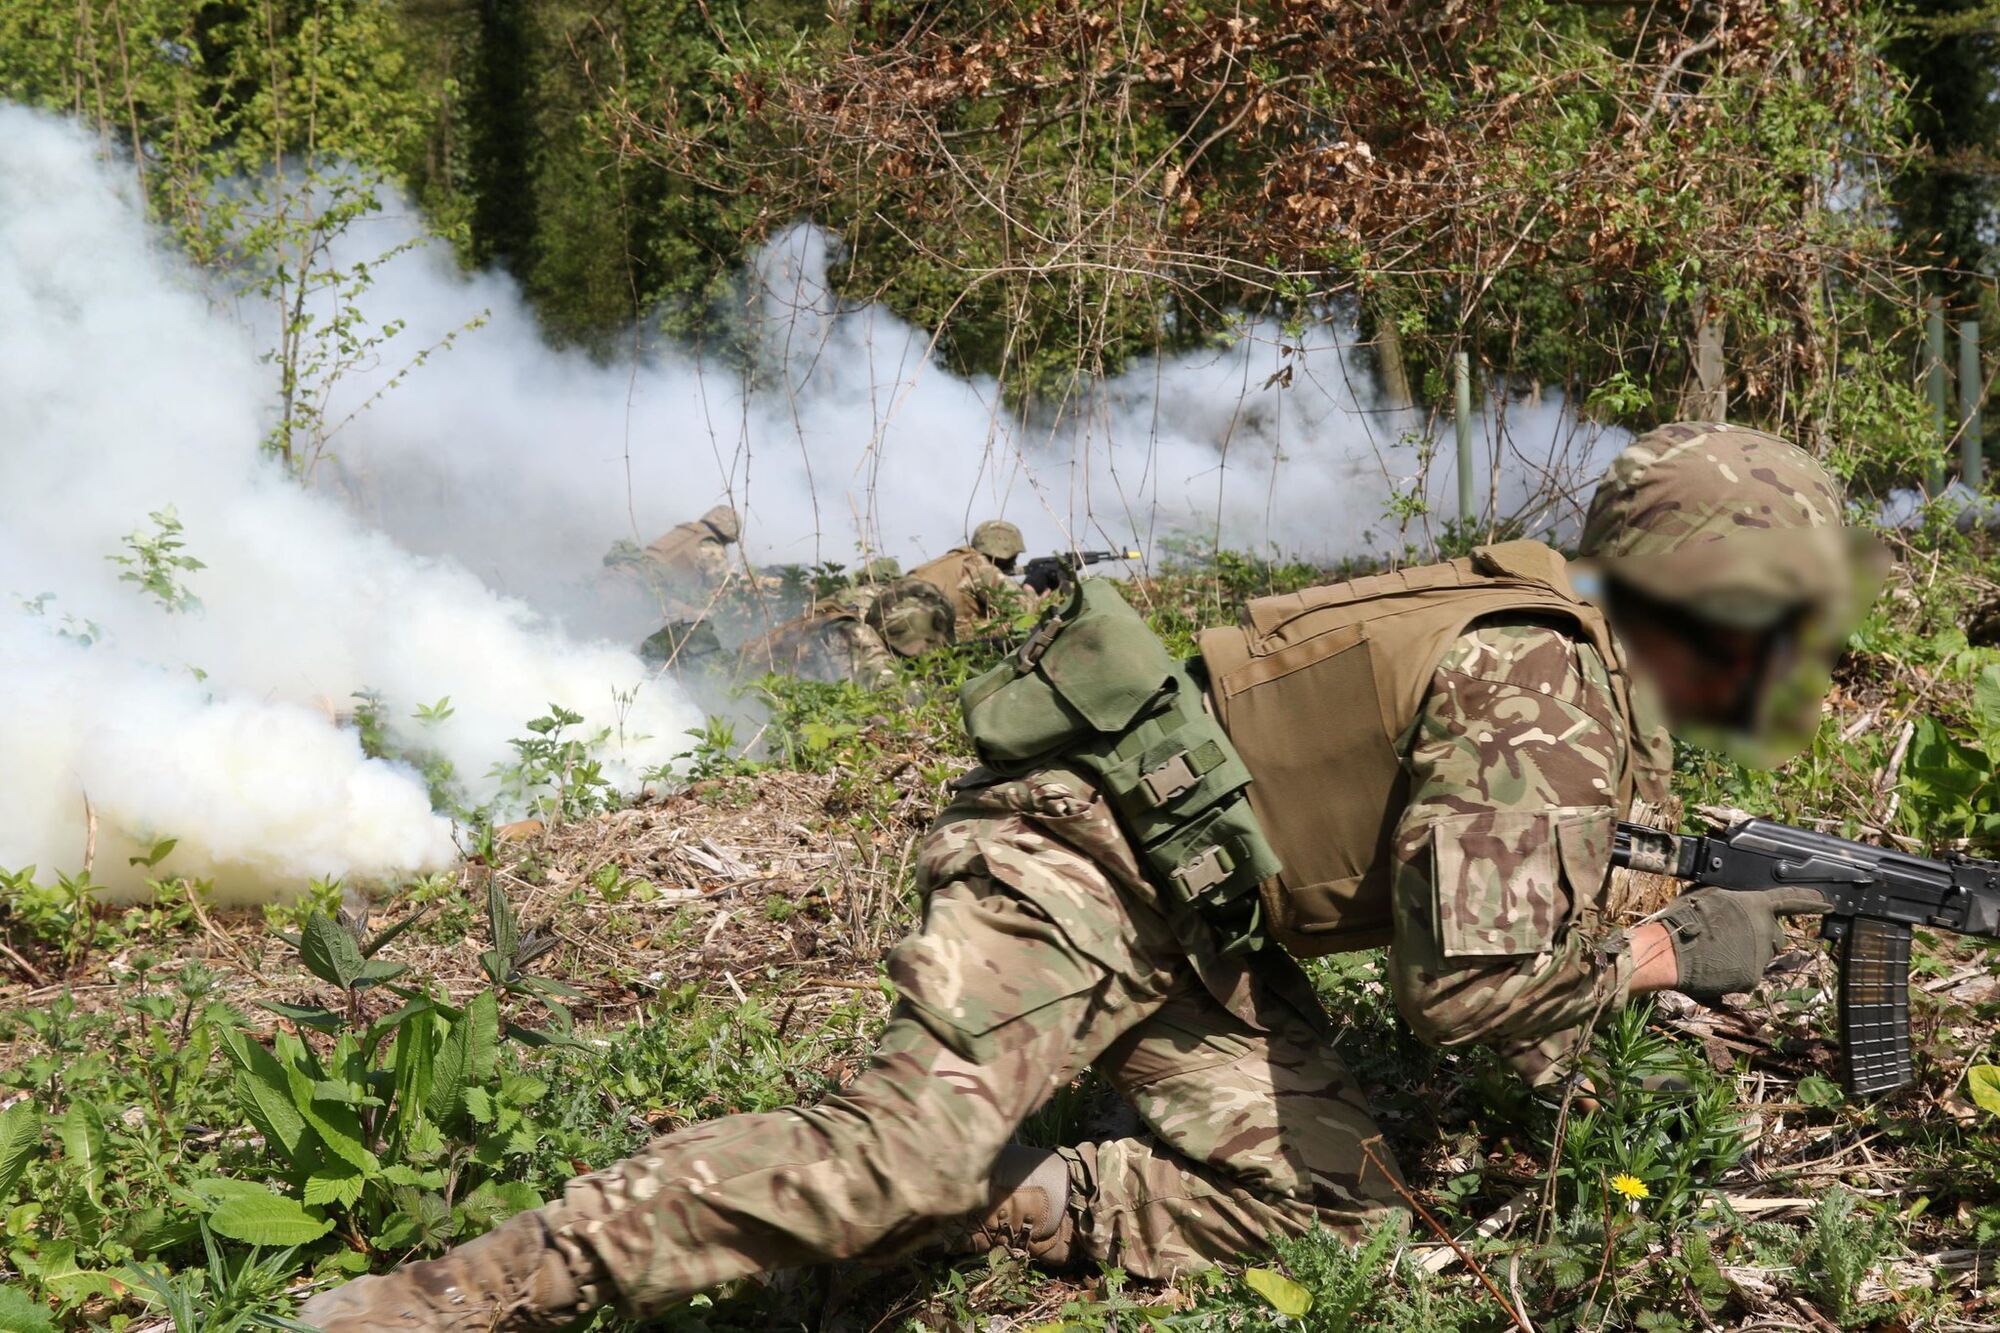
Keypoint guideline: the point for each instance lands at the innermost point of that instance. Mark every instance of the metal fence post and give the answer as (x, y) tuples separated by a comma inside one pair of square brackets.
[(1934, 387), (1461, 402), (1971, 389)]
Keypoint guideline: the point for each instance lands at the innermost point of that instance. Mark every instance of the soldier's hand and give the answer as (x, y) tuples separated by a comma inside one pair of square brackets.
[(1725, 938)]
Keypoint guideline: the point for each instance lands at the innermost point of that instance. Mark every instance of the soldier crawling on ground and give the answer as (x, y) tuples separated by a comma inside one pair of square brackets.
[(979, 576), (857, 633), (688, 560), (1432, 759), (681, 572)]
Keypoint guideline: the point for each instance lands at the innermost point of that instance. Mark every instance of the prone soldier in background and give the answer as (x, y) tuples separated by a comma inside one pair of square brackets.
[(686, 560), (1433, 759), (681, 571), (858, 633), (978, 577)]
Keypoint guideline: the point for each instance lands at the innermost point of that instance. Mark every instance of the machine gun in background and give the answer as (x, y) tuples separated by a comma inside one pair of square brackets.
[(1874, 897), (1045, 573)]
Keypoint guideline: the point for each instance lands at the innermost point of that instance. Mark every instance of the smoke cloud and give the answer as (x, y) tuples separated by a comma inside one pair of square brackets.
[(451, 542), (847, 435), (122, 392)]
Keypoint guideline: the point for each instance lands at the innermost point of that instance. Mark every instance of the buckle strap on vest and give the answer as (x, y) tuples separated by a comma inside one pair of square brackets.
[(1204, 870), (1179, 772)]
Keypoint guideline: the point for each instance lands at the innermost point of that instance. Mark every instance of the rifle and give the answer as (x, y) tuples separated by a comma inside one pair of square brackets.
[(1046, 573), (1874, 896)]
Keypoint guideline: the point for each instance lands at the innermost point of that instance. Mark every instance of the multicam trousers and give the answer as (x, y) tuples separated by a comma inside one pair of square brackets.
[(1042, 952)]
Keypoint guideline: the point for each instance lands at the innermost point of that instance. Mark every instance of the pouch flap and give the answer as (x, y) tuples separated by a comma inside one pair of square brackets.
[(1106, 662), (1498, 881), (1012, 718)]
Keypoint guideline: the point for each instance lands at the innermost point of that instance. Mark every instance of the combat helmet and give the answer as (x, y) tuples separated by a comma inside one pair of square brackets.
[(1739, 528), (913, 617), (881, 569), (998, 540), (725, 523), (1735, 525)]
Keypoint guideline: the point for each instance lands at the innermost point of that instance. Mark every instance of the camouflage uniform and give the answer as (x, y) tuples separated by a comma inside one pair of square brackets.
[(976, 576), (830, 642), (1045, 949), (696, 554), (1499, 938)]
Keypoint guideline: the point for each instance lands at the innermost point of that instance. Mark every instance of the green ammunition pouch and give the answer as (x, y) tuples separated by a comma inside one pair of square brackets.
[(1094, 689)]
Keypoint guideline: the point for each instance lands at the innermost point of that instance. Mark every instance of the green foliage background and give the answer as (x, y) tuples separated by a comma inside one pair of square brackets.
[(1060, 190)]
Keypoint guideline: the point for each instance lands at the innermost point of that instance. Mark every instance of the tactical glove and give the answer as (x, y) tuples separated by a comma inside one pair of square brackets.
[(1725, 938)]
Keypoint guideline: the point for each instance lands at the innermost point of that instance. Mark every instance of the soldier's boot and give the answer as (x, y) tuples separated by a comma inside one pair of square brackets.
[(1027, 1209), (514, 1279)]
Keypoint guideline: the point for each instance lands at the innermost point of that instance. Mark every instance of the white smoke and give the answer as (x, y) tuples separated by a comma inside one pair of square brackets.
[(848, 435), (122, 391), (126, 384)]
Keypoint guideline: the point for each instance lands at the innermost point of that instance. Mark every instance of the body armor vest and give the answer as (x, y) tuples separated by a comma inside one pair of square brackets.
[(680, 549), (955, 574), (1318, 691)]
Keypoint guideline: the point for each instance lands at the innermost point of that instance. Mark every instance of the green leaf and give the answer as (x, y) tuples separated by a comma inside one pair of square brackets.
[(311, 1016), (522, 1090), (505, 929), (160, 851), (466, 1058), (82, 1133), (22, 1313), (1986, 705), (1285, 1296), (1983, 1083), (215, 1189), (20, 1133), (388, 933), (56, 1268), (479, 1105), (338, 1126), (335, 1186), (265, 1218), (1821, 1092), (343, 1094), (500, 920), (263, 1091), (329, 952), (397, 1173), (157, 1229), (375, 971), (495, 1201)]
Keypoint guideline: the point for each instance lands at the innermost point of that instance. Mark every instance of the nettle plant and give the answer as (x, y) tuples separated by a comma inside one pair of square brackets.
[(557, 774), (399, 1130), (158, 562)]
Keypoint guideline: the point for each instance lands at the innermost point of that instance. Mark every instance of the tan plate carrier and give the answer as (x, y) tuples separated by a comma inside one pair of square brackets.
[(1318, 690)]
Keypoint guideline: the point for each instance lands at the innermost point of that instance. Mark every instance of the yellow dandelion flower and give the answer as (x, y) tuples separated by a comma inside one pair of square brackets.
[(1630, 1186)]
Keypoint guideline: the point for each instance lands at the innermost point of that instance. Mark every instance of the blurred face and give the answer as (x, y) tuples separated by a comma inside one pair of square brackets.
[(1708, 675)]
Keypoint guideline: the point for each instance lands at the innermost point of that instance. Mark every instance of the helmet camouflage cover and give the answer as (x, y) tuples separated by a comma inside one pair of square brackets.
[(881, 569), (1743, 529), (997, 539), (724, 522), (1732, 524)]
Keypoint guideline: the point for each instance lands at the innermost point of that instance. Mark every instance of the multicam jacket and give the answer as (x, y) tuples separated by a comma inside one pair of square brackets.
[(1439, 756), (974, 584), (1501, 939)]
